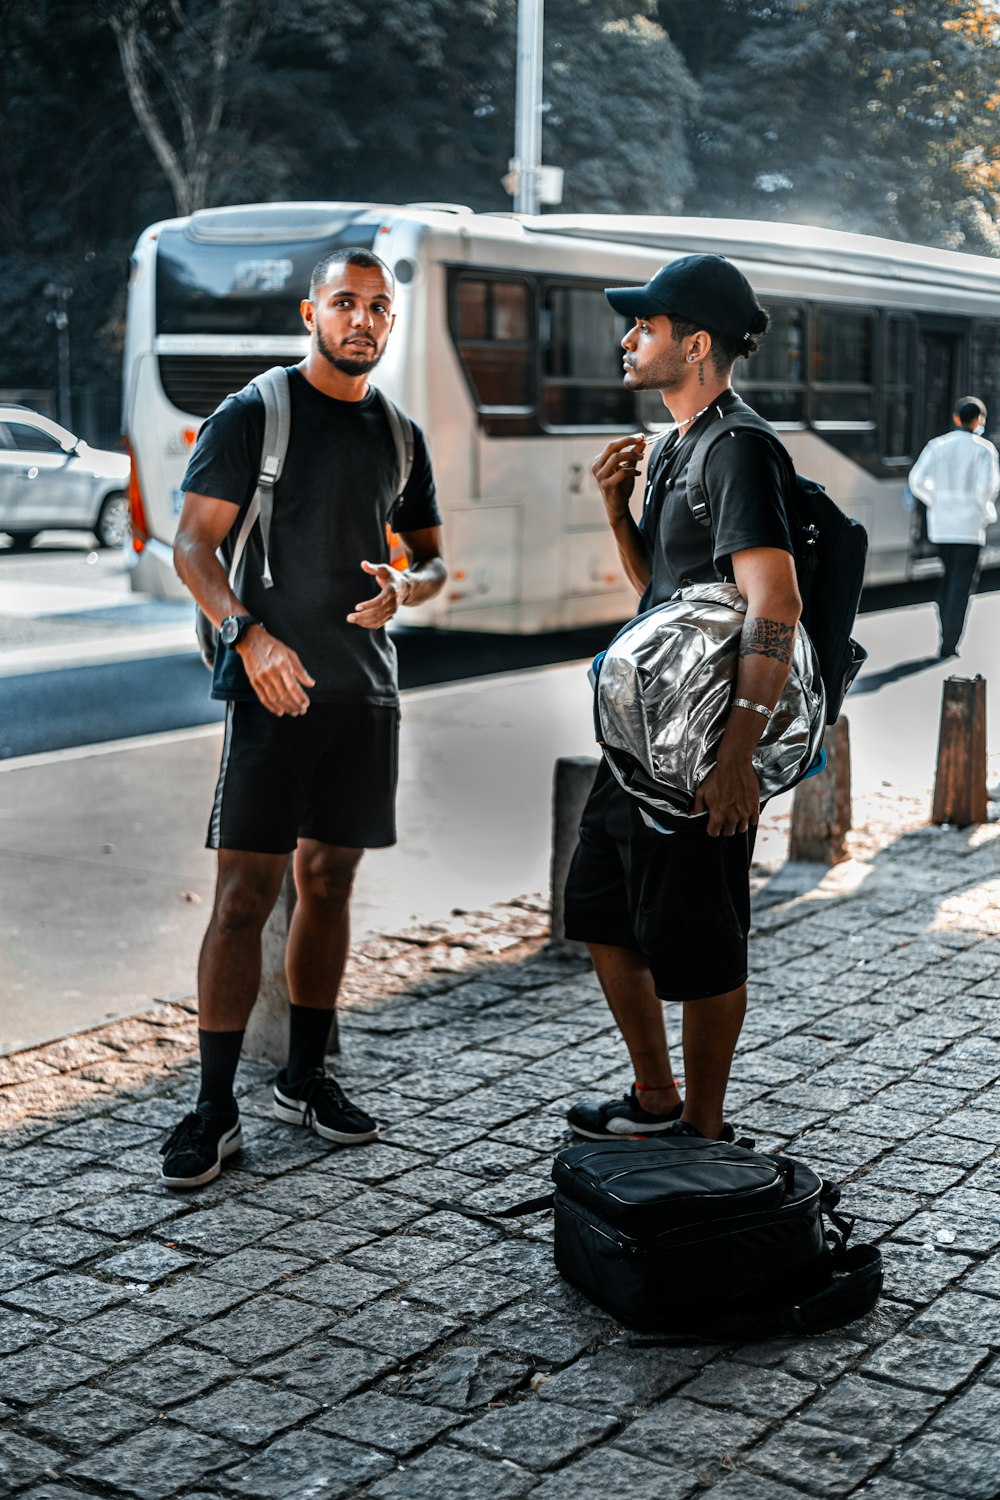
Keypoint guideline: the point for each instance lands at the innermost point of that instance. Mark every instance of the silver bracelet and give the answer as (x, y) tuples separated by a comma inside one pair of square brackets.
[(758, 708)]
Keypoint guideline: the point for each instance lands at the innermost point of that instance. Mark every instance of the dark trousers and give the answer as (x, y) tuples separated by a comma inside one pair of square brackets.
[(961, 574)]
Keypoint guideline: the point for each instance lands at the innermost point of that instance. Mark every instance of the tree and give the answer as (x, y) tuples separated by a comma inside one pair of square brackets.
[(874, 115), (146, 38), (240, 91), (199, 81), (621, 100), (68, 144)]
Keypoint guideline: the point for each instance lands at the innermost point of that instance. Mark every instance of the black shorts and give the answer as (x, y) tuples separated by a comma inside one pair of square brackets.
[(329, 775), (682, 900)]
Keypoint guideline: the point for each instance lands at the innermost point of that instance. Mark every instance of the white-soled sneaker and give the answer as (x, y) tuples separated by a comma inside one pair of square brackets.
[(320, 1104), (194, 1151), (618, 1118)]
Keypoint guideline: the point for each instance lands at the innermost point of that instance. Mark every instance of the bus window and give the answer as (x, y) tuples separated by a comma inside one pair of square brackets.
[(491, 325), (842, 386), (898, 386), (774, 380), (582, 360)]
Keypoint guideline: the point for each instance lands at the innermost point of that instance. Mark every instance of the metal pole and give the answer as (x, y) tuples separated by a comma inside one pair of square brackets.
[(528, 124), (59, 317), (62, 328)]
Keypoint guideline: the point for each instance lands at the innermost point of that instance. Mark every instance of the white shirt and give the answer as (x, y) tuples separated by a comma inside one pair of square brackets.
[(958, 478)]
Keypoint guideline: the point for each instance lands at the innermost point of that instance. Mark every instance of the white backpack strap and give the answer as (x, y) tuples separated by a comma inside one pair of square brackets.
[(249, 521), (273, 387), (402, 436)]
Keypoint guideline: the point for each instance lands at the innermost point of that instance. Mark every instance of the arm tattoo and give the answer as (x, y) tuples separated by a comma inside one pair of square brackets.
[(771, 638)]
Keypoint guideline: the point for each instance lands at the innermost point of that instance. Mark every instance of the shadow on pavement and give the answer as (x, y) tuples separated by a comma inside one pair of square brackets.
[(871, 682)]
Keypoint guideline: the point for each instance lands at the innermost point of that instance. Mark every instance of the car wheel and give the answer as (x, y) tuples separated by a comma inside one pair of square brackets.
[(20, 541), (113, 522)]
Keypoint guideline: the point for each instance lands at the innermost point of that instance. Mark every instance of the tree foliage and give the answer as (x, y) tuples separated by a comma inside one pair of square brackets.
[(878, 115), (873, 115)]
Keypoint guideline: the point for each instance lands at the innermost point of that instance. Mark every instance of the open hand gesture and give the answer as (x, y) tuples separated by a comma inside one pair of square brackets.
[(394, 589)]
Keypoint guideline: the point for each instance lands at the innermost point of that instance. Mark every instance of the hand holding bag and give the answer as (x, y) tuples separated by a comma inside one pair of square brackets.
[(664, 690)]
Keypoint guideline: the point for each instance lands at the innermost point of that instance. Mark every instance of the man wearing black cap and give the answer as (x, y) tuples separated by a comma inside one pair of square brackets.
[(666, 916)]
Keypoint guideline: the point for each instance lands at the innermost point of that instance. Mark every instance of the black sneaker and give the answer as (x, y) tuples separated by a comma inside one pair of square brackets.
[(319, 1103), (618, 1118), (193, 1153)]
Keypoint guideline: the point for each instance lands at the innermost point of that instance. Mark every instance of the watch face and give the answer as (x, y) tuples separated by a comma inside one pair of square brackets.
[(229, 630)]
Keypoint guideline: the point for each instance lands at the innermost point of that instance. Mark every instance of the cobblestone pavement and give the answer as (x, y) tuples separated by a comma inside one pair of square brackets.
[(310, 1326)]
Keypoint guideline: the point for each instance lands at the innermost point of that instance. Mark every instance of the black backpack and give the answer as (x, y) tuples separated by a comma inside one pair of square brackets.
[(830, 551), (697, 1239)]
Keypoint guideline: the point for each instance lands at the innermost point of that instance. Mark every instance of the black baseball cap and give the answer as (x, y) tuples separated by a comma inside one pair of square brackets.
[(703, 289)]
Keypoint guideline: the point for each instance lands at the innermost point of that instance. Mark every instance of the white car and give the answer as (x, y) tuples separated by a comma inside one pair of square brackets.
[(53, 481)]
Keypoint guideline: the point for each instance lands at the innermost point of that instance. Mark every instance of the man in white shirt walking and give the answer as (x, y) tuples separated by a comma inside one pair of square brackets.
[(957, 477)]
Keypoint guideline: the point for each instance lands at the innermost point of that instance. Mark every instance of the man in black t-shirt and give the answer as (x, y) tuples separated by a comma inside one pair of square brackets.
[(309, 674), (666, 915)]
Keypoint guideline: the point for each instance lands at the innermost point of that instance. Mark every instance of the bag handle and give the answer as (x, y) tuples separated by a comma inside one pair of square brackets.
[(514, 1211), (851, 1294)]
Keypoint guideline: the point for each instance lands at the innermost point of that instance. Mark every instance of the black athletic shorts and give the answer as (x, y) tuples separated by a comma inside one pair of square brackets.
[(682, 900), (328, 775)]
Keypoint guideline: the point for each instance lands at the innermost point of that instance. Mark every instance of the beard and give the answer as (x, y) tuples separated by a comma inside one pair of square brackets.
[(667, 372), (348, 363)]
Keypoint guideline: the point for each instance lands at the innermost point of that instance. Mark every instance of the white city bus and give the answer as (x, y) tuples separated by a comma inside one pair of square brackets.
[(506, 352)]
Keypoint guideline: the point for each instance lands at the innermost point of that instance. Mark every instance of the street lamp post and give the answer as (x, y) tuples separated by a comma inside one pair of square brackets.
[(528, 124), (59, 317)]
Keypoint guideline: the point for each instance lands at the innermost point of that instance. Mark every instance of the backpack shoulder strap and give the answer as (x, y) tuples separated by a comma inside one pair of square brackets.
[(273, 387), (745, 420), (402, 436)]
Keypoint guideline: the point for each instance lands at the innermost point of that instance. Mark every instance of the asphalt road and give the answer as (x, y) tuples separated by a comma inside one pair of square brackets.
[(66, 706), (63, 708)]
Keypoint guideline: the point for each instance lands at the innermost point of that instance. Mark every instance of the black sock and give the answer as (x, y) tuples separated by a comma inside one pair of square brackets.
[(220, 1056), (308, 1036)]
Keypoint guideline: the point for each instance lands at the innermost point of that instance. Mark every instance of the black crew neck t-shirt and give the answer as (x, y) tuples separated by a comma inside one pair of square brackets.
[(337, 491), (745, 486)]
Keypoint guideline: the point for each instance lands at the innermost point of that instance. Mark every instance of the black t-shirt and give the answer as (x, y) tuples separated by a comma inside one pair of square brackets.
[(337, 490), (745, 486)]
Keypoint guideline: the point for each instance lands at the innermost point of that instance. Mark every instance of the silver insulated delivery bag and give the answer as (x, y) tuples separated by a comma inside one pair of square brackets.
[(663, 693)]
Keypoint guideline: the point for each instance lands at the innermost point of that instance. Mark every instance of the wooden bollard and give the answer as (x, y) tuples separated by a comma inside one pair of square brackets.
[(267, 1030), (960, 779), (821, 808), (571, 784)]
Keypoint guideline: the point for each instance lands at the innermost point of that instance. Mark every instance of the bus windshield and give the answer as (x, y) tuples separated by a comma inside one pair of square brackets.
[(249, 283)]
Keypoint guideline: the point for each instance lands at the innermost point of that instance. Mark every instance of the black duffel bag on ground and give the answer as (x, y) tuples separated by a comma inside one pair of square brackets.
[(703, 1239)]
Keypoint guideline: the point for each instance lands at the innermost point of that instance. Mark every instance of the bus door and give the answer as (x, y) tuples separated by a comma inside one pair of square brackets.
[(938, 355)]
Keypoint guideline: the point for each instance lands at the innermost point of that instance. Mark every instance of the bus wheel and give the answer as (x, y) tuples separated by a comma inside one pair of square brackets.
[(113, 522)]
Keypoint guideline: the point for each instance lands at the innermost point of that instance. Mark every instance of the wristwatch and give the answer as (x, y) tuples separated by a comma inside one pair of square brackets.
[(234, 628)]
